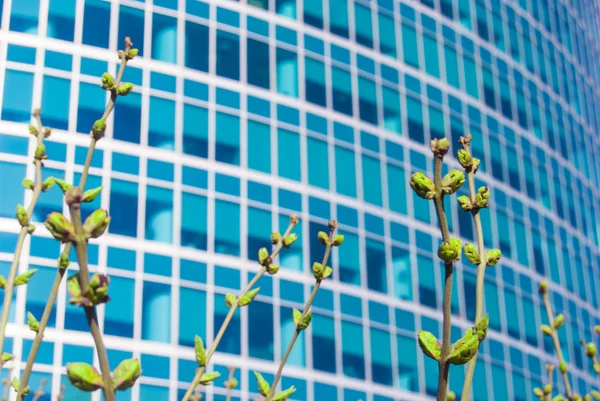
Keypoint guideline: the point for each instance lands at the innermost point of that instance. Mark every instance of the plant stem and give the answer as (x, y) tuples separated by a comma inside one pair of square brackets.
[(14, 267), (40, 391), (466, 391), (550, 380), (305, 312), (91, 315), (557, 347), (449, 270), (234, 307), (229, 380)]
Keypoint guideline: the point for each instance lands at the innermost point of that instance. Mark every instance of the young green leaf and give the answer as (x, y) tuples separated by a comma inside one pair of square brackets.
[(430, 345), (32, 322), (23, 278), (263, 387), (200, 351)]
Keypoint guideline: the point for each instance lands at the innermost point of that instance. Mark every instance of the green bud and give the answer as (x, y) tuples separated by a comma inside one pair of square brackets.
[(562, 367), (465, 203), (548, 389), (449, 251), (464, 349), (482, 197), (40, 152), (547, 330), (543, 288), (587, 397), (597, 368), (276, 238), (131, 53), (30, 228), (327, 272), (338, 240), (230, 299), (560, 397), (65, 186), (47, 183), (33, 130), (465, 159), (263, 387), (559, 321), (98, 129), (440, 146), (451, 396), (2, 282), (249, 297), (317, 270), (24, 277), (28, 184), (200, 351), (323, 237), (475, 166), (263, 256), (16, 384), (6, 357), (492, 257), (32, 322), (595, 394), (590, 349), (422, 186), (481, 328), (126, 374), (289, 240), (597, 330), (125, 88), (84, 376), (91, 194), (22, 216), (472, 254), (302, 321), (208, 378), (96, 223), (453, 181), (285, 394), (63, 261), (538, 392), (231, 383), (430, 345), (272, 269), (108, 81)]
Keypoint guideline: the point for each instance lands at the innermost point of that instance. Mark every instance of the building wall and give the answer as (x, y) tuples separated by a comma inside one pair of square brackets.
[(245, 112)]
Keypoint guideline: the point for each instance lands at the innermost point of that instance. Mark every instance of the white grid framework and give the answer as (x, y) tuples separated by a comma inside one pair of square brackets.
[(571, 175)]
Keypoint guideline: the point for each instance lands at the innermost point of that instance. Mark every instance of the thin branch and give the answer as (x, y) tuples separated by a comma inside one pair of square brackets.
[(556, 342), (40, 391), (14, 267), (444, 366), (479, 287), (75, 211), (229, 383), (305, 312), (233, 309)]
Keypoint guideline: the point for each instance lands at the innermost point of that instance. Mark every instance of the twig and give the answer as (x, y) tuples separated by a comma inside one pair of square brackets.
[(466, 391), (233, 309), (60, 395), (444, 365), (14, 267), (305, 312), (554, 335), (229, 383), (40, 391), (81, 248)]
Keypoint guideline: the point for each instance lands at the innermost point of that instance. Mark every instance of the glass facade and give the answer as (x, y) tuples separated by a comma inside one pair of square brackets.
[(245, 112)]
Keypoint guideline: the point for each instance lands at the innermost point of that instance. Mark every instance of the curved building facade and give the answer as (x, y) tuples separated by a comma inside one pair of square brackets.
[(244, 112)]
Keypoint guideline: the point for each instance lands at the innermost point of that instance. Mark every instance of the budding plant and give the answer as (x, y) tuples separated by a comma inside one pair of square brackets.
[(551, 330), (465, 349), (302, 319), (231, 383), (84, 291), (234, 302)]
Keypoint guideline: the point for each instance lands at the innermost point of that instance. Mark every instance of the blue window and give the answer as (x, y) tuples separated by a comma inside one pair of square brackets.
[(118, 317), (315, 82), (128, 118), (131, 24), (352, 350), (61, 19), (371, 176), (123, 209), (376, 266), (18, 89), (24, 16), (415, 119), (338, 20), (195, 130), (228, 55), (191, 301), (261, 342), (193, 221), (430, 50), (35, 293), (156, 312), (227, 228), (161, 125), (318, 168), (91, 106), (289, 154), (381, 359), (345, 170), (287, 72), (259, 147), (323, 339), (367, 100), (409, 45), (313, 13), (258, 64), (159, 214), (96, 23), (231, 340), (391, 110), (228, 138), (164, 38), (196, 46), (363, 25), (387, 35), (341, 86), (259, 231), (401, 273)]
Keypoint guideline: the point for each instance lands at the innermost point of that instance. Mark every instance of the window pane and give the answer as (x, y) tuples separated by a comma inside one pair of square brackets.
[(376, 271), (318, 171), (387, 35), (352, 350), (164, 38), (123, 208), (159, 214), (338, 20), (259, 147), (227, 228), (193, 226), (363, 25), (228, 55), (367, 100), (228, 138), (288, 143), (313, 13), (196, 46), (315, 82), (161, 127), (342, 90), (323, 339), (345, 172), (409, 45), (258, 63), (195, 130), (287, 72), (371, 175)]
